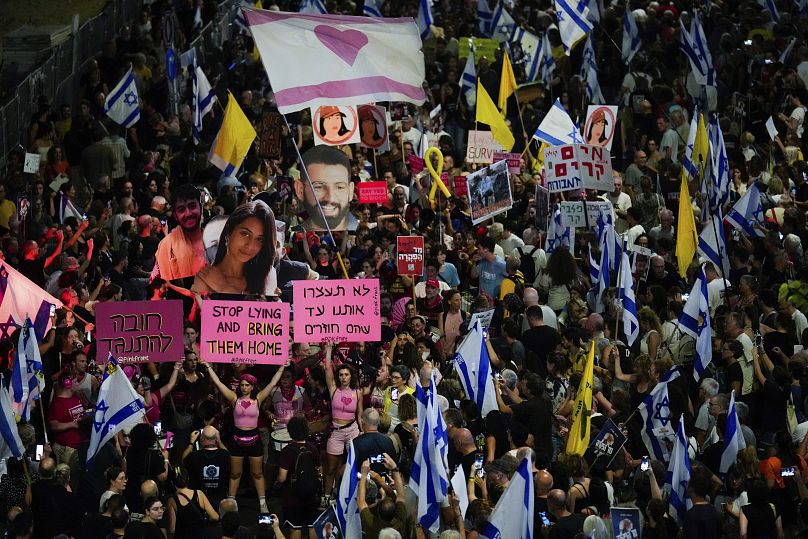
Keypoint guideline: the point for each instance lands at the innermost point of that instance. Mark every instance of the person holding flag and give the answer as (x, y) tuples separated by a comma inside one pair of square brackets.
[(532, 409)]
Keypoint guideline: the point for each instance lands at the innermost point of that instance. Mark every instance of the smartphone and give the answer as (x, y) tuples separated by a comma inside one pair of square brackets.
[(644, 464), (478, 461), (758, 339), (544, 520), (788, 471), (394, 394), (265, 519), (158, 428), (747, 42), (376, 458), (39, 452), (53, 310)]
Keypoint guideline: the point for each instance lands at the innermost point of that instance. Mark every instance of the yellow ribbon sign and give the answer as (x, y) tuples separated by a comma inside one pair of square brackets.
[(436, 181)]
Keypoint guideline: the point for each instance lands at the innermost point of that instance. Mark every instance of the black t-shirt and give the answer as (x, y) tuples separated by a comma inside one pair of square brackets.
[(209, 470), (711, 457), (34, 270), (541, 340), (702, 522), (96, 526), (734, 374), (146, 530), (773, 406), (371, 444), (286, 461), (497, 425), (536, 414), (567, 527)]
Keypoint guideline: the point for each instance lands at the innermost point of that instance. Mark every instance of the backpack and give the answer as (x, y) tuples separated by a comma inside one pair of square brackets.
[(527, 264), (305, 481)]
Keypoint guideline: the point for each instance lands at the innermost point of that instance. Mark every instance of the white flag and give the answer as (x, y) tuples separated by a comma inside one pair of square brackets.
[(123, 103), (513, 515)]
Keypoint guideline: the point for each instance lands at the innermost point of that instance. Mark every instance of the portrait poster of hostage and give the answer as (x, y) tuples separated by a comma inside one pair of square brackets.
[(489, 192), (329, 172)]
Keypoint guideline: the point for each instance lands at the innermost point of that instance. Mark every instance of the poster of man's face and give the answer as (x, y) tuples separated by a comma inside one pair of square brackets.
[(180, 254), (330, 185)]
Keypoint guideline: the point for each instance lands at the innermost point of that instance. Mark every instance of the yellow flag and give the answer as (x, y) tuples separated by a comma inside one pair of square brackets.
[(701, 146), (686, 236), (488, 114), (578, 439), (507, 85), (234, 139)]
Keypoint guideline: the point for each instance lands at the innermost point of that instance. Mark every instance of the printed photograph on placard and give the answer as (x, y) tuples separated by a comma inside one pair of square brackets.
[(489, 192), (331, 186)]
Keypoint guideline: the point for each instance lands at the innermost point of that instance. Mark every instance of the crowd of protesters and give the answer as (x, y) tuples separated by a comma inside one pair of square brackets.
[(239, 431)]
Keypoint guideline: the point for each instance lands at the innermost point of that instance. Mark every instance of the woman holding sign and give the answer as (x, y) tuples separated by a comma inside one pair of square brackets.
[(246, 441), (346, 407)]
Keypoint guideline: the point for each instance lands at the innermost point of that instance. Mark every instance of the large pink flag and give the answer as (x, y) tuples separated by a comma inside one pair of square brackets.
[(316, 60)]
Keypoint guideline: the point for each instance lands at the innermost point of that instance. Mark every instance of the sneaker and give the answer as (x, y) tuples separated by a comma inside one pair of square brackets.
[(263, 507)]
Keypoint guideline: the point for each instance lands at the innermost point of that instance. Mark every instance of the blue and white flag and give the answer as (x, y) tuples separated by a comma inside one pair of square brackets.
[(10, 443), (347, 505), (468, 80), (607, 234), (719, 194), (733, 438), (694, 45), (631, 323), (631, 36), (27, 378), (204, 97), (687, 161), (532, 49), (787, 52), (594, 9), (560, 233), (473, 366), (428, 478), (557, 128), (502, 24), (67, 209), (679, 475), (373, 8), (312, 7), (513, 515), (546, 60), (771, 7), (695, 321), (20, 298), (712, 244), (747, 212), (485, 16), (657, 418), (594, 269), (198, 22), (123, 103), (118, 407), (589, 73), (573, 22), (424, 18)]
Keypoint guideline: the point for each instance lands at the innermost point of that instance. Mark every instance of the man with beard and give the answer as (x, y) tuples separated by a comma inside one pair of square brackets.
[(330, 185), (182, 253)]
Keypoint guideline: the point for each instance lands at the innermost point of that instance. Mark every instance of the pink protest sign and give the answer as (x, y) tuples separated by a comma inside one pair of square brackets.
[(372, 192), (416, 164), (514, 160), (459, 183), (252, 332), (341, 309), (140, 331)]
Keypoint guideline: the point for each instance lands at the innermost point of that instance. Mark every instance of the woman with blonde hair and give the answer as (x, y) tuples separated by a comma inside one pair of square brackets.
[(651, 329), (642, 380)]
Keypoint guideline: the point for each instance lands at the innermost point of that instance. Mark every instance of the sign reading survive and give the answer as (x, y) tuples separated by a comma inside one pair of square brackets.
[(138, 331), (410, 251), (245, 332), (340, 310), (372, 192)]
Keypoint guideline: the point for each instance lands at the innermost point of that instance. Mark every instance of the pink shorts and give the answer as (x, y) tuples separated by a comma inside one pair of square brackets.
[(340, 438)]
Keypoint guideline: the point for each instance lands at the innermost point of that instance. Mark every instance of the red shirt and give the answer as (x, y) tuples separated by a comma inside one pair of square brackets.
[(65, 410)]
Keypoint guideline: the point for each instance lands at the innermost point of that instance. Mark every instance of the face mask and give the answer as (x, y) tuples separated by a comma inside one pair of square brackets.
[(424, 355)]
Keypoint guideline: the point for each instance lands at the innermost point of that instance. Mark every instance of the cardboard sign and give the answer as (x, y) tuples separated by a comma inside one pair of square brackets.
[(595, 166), (251, 332), (600, 124), (513, 159), (416, 164), (410, 258), (140, 331), (625, 522), (484, 317), (335, 125), (31, 164), (373, 128), (596, 208), (340, 310), (270, 136), (575, 213), (578, 166), (481, 147), (489, 192), (372, 192), (23, 206), (459, 186)]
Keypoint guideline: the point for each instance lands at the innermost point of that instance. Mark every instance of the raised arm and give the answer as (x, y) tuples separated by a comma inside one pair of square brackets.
[(226, 392), (328, 367), (60, 238), (172, 382), (264, 393)]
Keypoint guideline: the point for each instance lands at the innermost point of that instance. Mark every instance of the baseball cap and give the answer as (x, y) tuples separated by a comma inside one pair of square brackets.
[(433, 282)]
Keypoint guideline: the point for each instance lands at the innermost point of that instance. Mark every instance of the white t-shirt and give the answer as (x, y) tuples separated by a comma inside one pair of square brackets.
[(715, 294), (798, 114), (512, 242), (800, 323), (670, 140)]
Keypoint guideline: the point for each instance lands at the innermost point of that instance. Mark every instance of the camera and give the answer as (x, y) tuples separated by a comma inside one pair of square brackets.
[(210, 471), (377, 458)]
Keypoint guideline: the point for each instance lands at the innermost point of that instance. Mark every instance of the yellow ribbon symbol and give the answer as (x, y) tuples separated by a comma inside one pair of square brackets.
[(436, 181)]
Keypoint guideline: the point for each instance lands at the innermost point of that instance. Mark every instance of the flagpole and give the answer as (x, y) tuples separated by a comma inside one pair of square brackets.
[(711, 216), (42, 415), (305, 172), (619, 286), (375, 166)]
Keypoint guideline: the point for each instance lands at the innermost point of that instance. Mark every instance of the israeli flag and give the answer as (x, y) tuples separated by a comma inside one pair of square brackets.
[(733, 437), (123, 103), (373, 8), (691, 167), (118, 407), (631, 36), (27, 378), (502, 24), (468, 80), (657, 418), (720, 164), (557, 128), (695, 321), (546, 60), (573, 23), (771, 7), (679, 475), (694, 44), (424, 18), (594, 269), (748, 211), (347, 506), (428, 478), (67, 208), (485, 16), (10, 443), (608, 235), (204, 97), (589, 73), (473, 367), (631, 323), (712, 244), (560, 233), (532, 49), (512, 517), (312, 7), (594, 9)]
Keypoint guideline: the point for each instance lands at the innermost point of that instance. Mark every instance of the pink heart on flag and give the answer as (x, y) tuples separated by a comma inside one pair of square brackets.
[(344, 43)]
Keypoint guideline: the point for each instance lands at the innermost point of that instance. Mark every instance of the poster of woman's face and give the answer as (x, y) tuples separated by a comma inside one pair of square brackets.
[(373, 128), (335, 125), (599, 126)]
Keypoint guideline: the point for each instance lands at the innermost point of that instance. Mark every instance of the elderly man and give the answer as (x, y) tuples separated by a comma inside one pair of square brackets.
[(208, 463), (567, 525), (620, 202), (664, 229)]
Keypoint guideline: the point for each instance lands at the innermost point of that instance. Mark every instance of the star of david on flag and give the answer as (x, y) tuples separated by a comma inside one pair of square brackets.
[(123, 103)]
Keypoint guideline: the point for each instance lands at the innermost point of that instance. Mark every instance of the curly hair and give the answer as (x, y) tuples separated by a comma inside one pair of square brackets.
[(561, 267)]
